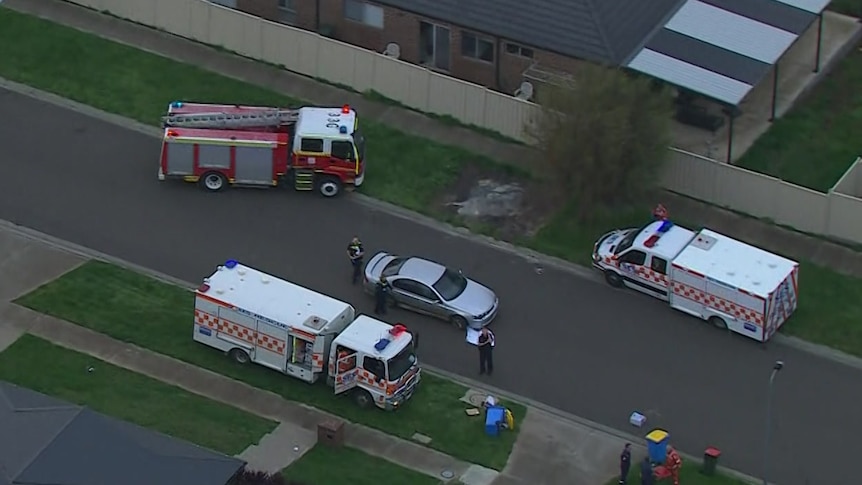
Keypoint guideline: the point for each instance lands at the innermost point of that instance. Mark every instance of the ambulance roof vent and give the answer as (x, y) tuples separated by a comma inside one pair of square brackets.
[(704, 241), (264, 279), (315, 322)]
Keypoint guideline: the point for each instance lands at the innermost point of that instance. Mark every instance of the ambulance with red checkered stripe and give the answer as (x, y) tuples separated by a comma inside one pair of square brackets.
[(255, 317), (716, 278)]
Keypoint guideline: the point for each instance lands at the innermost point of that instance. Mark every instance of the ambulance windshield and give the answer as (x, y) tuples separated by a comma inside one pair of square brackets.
[(628, 239), (401, 363)]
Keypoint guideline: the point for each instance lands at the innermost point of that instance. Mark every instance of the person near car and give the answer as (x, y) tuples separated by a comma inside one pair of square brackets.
[(647, 477), (381, 296), (486, 351), (356, 254), (625, 463)]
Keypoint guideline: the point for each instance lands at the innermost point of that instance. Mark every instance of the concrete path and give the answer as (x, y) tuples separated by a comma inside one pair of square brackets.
[(759, 233)]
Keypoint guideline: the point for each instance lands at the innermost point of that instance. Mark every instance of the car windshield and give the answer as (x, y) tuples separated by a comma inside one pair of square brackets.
[(401, 363), (450, 285), (393, 267), (628, 239)]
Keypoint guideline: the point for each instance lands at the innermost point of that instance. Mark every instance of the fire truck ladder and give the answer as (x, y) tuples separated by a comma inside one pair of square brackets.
[(261, 118)]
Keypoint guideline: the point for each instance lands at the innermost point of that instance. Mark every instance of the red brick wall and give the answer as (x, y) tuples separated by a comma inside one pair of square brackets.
[(403, 28)]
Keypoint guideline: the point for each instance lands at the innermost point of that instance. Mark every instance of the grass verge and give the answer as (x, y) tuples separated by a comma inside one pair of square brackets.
[(816, 142), (689, 475), (354, 467), (411, 171), (47, 368), (158, 316)]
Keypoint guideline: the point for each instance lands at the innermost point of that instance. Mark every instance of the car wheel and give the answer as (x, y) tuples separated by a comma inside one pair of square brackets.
[(718, 323), (362, 398), (613, 279), (458, 322), (328, 186), (239, 356), (213, 181)]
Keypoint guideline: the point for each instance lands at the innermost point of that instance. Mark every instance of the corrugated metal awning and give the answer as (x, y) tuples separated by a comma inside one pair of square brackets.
[(723, 48)]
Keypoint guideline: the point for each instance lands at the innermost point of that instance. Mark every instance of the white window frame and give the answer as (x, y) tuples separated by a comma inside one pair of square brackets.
[(519, 50), (371, 15), (477, 40), (435, 31)]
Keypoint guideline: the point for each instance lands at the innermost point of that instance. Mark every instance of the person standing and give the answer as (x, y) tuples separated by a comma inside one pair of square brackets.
[(486, 351), (356, 254), (381, 296), (647, 477), (625, 463)]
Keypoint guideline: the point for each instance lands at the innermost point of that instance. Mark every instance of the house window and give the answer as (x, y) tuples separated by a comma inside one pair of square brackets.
[(364, 13), (287, 11), (519, 50), (434, 46), (476, 47)]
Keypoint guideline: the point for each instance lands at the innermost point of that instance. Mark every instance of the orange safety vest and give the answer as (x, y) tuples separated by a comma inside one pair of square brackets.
[(674, 462), (344, 365)]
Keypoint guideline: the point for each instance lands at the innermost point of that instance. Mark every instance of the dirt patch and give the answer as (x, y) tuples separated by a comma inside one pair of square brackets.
[(527, 206)]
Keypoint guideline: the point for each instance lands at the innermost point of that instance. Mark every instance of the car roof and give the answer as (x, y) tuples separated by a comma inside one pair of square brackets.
[(422, 270)]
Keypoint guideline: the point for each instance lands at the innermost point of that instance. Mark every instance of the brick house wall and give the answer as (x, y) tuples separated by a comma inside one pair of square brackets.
[(503, 74)]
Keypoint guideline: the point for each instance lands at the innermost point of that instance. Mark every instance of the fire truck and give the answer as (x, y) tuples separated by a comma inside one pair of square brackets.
[(310, 148), (730, 284), (256, 317)]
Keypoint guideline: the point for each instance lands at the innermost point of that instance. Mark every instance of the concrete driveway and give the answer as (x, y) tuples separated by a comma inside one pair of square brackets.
[(568, 341)]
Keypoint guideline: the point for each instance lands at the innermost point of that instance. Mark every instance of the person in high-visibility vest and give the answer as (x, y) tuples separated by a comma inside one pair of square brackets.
[(345, 364), (673, 464)]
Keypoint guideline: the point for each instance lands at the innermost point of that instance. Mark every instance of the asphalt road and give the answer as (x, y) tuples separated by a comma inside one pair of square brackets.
[(569, 342)]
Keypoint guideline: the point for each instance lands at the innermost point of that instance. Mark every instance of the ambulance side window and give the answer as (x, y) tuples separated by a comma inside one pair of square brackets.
[(311, 145), (375, 367), (635, 257), (342, 150), (658, 265)]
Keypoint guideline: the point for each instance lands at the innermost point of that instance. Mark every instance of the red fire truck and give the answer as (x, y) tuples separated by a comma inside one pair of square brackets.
[(311, 148)]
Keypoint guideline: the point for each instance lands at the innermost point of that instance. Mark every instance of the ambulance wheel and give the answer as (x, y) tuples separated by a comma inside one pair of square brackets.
[(613, 279), (458, 322), (717, 323), (213, 181), (239, 356), (328, 186), (362, 398)]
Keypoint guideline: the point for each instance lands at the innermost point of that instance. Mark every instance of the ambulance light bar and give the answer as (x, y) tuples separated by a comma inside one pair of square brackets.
[(231, 263), (662, 229), (665, 227), (345, 109)]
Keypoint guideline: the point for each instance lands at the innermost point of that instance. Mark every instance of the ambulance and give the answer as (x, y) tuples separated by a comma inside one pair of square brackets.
[(256, 317), (309, 148), (728, 283)]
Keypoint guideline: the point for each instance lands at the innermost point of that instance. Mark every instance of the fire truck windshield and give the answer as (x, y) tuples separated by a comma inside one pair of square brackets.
[(401, 363), (359, 141)]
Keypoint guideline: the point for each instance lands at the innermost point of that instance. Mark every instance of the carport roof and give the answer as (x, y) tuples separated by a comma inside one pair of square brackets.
[(723, 48)]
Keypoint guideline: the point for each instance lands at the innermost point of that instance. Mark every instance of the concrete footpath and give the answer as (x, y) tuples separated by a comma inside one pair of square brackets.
[(759, 233), (550, 450)]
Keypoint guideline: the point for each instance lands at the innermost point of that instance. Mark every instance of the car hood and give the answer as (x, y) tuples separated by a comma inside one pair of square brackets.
[(608, 243), (475, 299)]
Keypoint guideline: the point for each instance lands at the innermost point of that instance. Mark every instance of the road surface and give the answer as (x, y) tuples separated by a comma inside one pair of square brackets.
[(567, 341)]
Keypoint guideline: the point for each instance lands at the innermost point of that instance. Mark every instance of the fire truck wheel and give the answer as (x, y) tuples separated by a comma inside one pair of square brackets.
[(458, 322), (328, 186), (613, 279), (239, 356), (213, 181), (718, 323), (362, 398)]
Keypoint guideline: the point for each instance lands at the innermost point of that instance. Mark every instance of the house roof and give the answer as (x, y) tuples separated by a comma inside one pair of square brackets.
[(46, 441), (605, 31), (723, 48)]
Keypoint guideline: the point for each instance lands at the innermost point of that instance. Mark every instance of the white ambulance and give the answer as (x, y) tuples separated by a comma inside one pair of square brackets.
[(256, 317), (729, 283)]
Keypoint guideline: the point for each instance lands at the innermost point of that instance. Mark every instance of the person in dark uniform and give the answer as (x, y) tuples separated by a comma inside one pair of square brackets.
[(356, 255), (647, 478), (486, 351), (381, 295), (625, 463)]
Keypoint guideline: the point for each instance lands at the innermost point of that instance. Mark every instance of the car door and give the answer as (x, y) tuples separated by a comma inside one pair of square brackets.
[(415, 295)]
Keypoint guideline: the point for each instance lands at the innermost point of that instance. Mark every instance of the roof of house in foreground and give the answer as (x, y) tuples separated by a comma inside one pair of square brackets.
[(48, 441)]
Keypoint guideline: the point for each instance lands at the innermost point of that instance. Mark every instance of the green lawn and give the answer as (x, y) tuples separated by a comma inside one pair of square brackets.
[(44, 367), (689, 475), (158, 316), (353, 466), (117, 78), (852, 8), (816, 142)]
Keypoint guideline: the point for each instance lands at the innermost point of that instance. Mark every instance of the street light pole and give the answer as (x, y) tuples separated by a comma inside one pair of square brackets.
[(775, 369)]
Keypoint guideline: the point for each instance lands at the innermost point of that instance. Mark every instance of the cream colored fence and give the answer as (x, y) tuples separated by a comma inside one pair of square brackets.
[(835, 214)]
